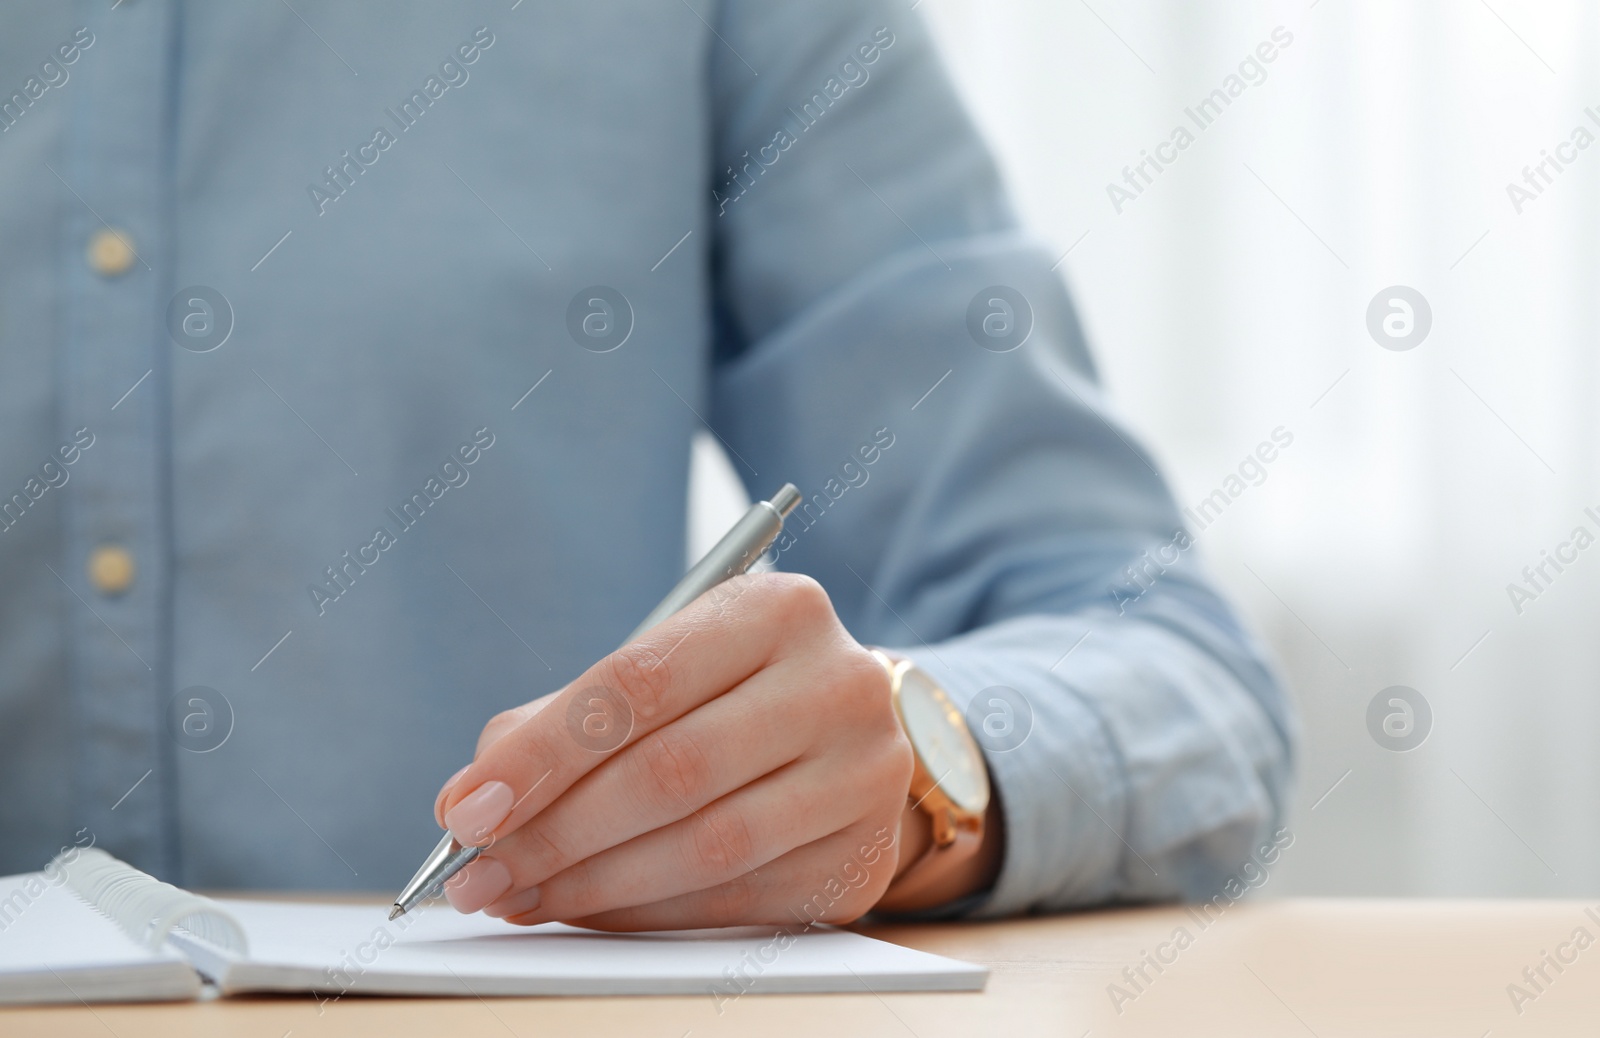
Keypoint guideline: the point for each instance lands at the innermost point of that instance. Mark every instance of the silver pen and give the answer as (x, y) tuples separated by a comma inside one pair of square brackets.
[(735, 553)]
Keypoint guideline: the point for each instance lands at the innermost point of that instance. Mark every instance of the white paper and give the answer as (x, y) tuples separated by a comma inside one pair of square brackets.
[(55, 948), (354, 950)]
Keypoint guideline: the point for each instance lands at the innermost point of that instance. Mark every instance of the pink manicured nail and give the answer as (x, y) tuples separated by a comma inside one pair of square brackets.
[(475, 818), (518, 903), (478, 884)]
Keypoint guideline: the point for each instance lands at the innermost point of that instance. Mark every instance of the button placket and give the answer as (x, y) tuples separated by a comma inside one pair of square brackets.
[(115, 175)]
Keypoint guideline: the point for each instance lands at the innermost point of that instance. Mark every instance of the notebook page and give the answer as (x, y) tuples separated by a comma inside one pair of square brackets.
[(340, 949), (55, 948)]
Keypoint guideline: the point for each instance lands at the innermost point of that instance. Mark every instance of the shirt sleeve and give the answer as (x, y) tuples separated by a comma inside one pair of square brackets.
[(889, 340)]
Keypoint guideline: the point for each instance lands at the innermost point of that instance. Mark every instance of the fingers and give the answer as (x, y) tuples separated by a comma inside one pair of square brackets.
[(737, 834), (833, 880), (698, 654), (728, 743)]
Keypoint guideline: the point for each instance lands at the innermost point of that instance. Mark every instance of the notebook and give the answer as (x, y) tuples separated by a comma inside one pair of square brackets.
[(92, 928)]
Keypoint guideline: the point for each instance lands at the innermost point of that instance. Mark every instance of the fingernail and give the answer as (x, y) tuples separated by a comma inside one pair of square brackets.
[(486, 879), (473, 819), (444, 791), (518, 903)]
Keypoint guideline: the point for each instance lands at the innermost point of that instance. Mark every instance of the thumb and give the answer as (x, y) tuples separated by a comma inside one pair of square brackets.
[(496, 729), (507, 720)]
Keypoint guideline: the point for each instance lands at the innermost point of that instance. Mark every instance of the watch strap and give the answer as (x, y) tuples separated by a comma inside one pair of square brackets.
[(931, 867)]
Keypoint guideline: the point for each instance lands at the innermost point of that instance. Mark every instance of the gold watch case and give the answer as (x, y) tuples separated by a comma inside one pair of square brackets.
[(951, 781)]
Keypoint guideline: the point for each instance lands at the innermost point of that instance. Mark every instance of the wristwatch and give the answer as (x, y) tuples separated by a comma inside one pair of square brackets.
[(950, 783)]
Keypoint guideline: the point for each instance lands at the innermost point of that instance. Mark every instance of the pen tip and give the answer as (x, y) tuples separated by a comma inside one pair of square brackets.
[(396, 912)]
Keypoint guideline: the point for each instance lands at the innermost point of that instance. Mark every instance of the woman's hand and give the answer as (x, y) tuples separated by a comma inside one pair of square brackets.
[(739, 763)]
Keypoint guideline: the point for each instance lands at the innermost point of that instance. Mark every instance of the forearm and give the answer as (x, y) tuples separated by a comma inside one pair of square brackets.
[(975, 501)]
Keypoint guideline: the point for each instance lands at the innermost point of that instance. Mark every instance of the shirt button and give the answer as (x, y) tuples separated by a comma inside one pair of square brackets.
[(110, 569), (110, 252)]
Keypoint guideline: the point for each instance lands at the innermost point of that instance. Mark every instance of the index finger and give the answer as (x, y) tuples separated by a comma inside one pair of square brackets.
[(683, 662)]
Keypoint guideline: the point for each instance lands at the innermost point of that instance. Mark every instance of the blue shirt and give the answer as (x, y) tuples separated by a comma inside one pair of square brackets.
[(349, 367)]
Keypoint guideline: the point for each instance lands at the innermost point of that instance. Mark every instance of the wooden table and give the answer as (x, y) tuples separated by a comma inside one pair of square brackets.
[(1295, 967)]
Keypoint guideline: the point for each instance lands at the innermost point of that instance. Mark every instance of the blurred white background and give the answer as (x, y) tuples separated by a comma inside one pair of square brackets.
[(1230, 297)]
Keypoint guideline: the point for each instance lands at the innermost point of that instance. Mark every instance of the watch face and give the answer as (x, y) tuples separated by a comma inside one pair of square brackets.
[(942, 740)]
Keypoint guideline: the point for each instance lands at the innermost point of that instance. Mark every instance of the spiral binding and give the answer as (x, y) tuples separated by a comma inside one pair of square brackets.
[(142, 905)]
